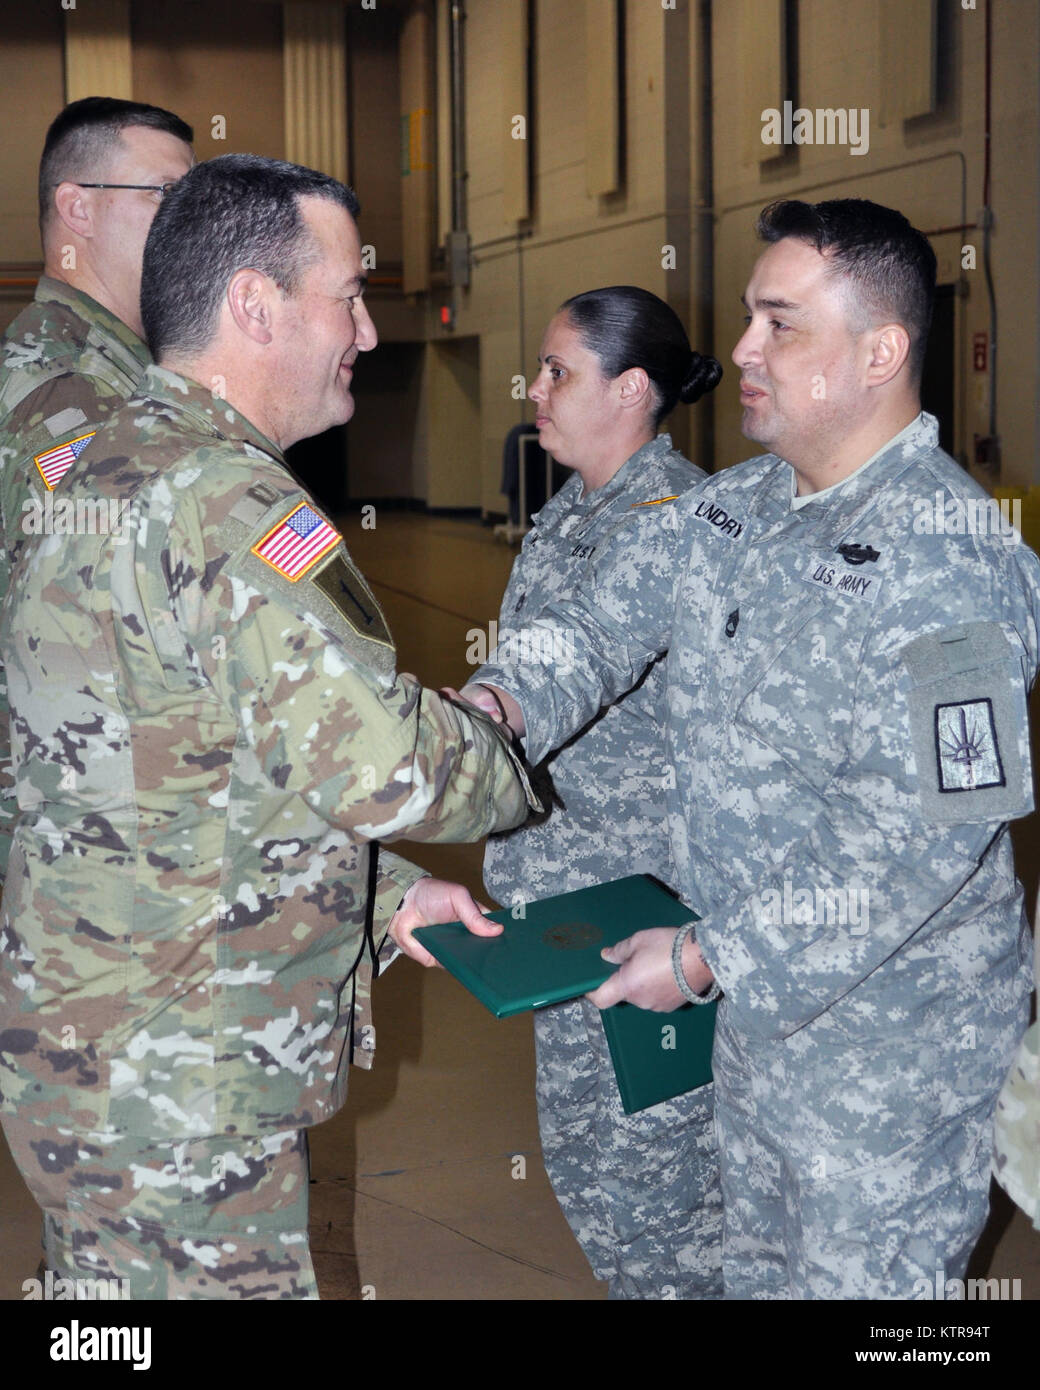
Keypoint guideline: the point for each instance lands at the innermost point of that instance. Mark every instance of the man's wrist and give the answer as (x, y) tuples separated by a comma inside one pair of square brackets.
[(712, 990), (508, 706)]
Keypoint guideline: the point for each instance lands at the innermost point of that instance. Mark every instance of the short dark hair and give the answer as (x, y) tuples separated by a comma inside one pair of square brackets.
[(889, 265), (626, 327), (86, 131), (233, 212)]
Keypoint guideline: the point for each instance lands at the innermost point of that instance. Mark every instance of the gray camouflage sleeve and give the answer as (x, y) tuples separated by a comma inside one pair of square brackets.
[(572, 658), (902, 827)]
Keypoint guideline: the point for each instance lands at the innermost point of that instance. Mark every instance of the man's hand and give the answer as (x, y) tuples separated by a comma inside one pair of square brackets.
[(493, 701), (431, 900), (645, 978)]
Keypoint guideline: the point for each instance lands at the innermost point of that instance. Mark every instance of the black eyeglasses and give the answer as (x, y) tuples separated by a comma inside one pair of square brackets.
[(161, 188)]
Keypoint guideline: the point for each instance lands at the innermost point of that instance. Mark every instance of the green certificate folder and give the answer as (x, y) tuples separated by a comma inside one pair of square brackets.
[(658, 1056), (552, 954)]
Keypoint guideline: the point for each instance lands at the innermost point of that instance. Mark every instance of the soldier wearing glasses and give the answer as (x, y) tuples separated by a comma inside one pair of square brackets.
[(76, 352)]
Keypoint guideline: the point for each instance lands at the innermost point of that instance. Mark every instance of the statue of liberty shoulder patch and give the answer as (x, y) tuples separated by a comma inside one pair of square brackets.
[(969, 724), (967, 748)]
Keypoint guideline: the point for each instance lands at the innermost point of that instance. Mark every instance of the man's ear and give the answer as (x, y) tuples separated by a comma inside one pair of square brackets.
[(249, 300), (889, 349), (74, 208)]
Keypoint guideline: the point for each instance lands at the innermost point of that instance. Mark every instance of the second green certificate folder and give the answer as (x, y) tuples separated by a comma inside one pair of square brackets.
[(658, 1056), (551, 954)]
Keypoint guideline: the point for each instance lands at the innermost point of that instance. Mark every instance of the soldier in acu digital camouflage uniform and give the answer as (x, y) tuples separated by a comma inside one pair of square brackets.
[(641, 1192), (852, 633), (76, 354), (209, 736)]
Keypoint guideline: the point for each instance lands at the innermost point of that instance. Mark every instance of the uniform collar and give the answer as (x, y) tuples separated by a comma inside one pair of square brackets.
[(51, 291), (207, 412), (836, 509), (651, 452), (569, 498), (920, 434)]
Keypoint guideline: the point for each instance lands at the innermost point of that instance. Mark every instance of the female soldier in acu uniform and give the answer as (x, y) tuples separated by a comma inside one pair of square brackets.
[(640, 1192)]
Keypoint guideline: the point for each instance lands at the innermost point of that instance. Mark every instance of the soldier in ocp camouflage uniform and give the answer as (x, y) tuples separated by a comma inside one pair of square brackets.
[(846, 715), (75, 354), (66, 363), (640, 1191), (209, 739)]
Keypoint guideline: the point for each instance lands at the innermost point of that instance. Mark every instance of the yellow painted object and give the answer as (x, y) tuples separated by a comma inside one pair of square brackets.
[(1031, 518), (1029, 510)]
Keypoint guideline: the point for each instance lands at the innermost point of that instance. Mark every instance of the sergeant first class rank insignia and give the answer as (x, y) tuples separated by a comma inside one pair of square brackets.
[(297, 543)]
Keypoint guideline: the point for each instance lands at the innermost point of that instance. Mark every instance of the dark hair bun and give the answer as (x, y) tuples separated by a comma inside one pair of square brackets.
[(626, 326), (703, 376)]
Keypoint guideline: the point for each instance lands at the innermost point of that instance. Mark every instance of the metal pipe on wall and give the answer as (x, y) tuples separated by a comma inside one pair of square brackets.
[(458, 119), (458, 237)]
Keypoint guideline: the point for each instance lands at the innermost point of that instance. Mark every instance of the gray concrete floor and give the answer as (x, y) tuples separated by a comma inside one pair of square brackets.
[(429, 1184)]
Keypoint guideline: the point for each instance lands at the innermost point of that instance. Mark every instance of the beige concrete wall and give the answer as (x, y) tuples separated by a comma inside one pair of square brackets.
[(210, 58), (374, 127), (418, 145), (223, 57), (1016, 238), (388, 421), (929, 166), (31, 92), (453, 435), (573, 241)]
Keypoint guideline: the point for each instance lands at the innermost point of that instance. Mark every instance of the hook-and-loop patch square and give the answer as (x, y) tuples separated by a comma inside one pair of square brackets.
[(969, 724)]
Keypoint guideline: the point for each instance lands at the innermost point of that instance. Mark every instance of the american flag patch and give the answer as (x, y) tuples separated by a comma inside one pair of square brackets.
[(55, 463), (297, 543)]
